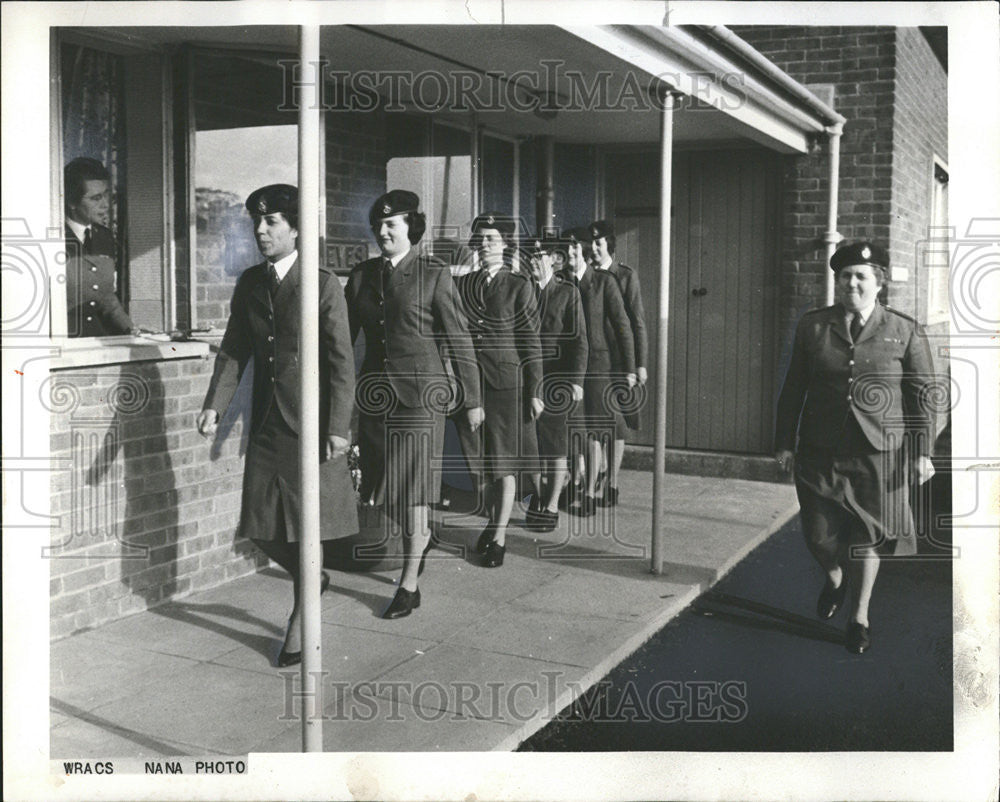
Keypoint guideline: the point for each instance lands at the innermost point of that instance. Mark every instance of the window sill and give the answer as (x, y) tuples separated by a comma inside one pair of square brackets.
[(121, 349)]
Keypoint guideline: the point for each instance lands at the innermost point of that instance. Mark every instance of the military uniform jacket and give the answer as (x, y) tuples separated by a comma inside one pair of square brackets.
[(92, 305), (414, 328), (269, 332), (563, 330), (609, 331), (628, 283), (503, 322), (881, 381)]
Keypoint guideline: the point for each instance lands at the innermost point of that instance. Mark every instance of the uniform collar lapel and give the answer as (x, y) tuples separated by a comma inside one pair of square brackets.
[(404, 268), (839, 323), (290, 282), (259, 291), (873, 322)]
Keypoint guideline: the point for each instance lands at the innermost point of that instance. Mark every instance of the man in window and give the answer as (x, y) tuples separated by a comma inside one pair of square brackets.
[(91, 278)]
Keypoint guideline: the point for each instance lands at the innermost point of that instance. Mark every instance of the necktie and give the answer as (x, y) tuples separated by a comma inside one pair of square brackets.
[(88, 240), (856, 327), (274, 281)]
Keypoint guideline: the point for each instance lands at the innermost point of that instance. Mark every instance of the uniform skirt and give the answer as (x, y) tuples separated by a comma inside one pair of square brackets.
[(270, 506), (855, 499), (506, 443), (401, 457), (601, 411)]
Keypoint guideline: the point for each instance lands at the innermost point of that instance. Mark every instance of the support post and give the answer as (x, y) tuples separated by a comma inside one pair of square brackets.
[(831, 237), (662, 331), (310, 556), (545, 199)]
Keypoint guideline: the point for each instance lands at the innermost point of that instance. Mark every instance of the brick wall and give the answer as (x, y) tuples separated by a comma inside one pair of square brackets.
[(860, 64), (146, 508), (355, 172), (892, 91), (920, 131)]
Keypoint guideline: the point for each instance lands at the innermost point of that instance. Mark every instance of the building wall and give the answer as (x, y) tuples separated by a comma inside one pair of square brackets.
[(860, 65), (146, 508), (920, 132), (893, 92)]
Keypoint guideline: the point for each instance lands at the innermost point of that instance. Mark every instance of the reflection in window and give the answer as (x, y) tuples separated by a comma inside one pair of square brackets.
[(241, 142)]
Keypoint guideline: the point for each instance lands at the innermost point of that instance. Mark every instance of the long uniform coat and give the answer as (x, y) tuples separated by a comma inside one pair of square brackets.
[(503, 322), (267, 329), (92, 305), (609, 334), (563, 337), (852, 405), (416, 344), (628, 283)]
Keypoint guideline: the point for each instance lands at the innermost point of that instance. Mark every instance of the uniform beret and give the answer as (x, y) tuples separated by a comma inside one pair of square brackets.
[(579, 234), (601, 228), (503, 223), (274, 198), (859, 253), (393, 202)]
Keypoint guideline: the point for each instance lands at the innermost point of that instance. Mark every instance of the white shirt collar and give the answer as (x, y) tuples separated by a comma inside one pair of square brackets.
[(395, 260), (605, 265), (78, 229), (864, 314), (579, 273), (543, 284), (282, 266)]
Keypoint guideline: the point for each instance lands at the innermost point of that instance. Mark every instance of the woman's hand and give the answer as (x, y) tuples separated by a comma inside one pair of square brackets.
[(924, 469), (785, 460), (208, 420), (476, 415), (577, 392), (334, 447), (537, 408)]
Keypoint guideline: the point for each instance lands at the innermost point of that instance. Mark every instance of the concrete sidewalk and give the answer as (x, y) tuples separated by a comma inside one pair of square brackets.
[(488, 659)]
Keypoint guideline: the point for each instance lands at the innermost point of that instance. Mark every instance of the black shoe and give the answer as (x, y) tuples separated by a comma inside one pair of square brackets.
[(485, 538), (403, 603), (609, 498), (570, 494), (287, 658), (550, 521), (859, 638), (494, 555), (588, 506), (831, 599)]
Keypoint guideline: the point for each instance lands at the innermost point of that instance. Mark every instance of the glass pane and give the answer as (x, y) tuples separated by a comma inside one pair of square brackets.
[(238, 147), (93, 128)]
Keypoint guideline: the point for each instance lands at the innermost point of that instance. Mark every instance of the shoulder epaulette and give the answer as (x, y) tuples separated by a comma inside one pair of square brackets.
[(900, 314)]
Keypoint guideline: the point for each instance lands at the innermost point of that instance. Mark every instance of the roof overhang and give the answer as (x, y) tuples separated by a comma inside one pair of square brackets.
[(593, 84)]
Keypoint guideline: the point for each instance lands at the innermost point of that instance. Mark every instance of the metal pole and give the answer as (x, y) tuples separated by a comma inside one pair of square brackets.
[(832, 237), (662, 329), (310, 558), (545, 199)]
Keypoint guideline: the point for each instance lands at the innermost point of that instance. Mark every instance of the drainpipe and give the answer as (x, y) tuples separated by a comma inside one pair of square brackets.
[(310, 555), (831, 237), (662, 328)]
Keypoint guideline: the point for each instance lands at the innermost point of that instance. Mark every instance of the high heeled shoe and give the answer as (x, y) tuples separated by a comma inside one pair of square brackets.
[(287, 658), (403, 603), (494, 555), (485, 538)]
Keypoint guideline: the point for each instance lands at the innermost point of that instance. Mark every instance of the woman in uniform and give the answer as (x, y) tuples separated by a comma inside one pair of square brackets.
[(503, 320), (856, 395), (564, 361), (406, 305)]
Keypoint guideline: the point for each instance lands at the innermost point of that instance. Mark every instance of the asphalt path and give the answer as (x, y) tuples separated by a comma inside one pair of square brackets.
[(748, 667)]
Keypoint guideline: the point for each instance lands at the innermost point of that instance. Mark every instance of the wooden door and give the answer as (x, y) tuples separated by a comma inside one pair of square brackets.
[(724, 288)]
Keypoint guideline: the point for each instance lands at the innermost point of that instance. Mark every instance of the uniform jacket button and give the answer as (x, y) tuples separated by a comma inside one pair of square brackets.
[(96, 287), (270, 338), (270, 359), (93, 269), (93, 303)]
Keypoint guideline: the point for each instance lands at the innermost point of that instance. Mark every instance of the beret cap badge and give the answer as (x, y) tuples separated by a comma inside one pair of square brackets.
[(262, 206), (386, 209), (866, 253), (490, 220)]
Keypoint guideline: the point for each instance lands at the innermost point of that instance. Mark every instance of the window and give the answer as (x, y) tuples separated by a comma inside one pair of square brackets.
[(113, 103), (239, 141), (936, 255)]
